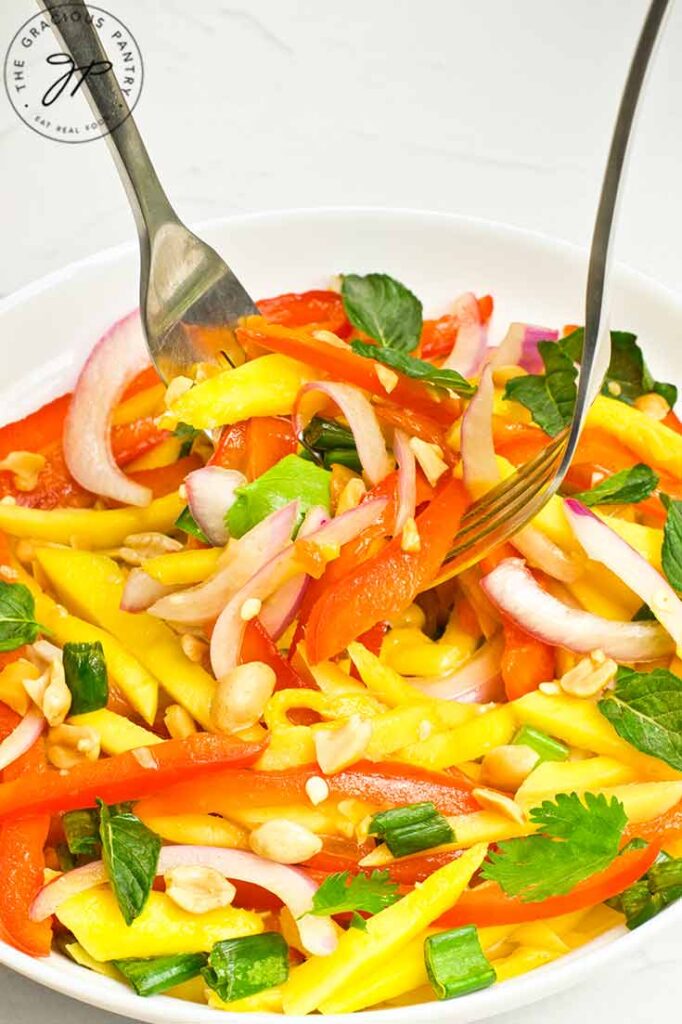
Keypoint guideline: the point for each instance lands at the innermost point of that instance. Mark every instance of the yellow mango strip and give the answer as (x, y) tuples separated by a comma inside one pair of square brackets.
[(162, 929), (410, 652), (466, 742), (383, 681), (192, 991), (326, 819), (88, 527), (268, 1001), (580, 724), (595, 922), (145, 403), (404, 726), (92, 585), (266, 386), (290, 746), (138, 686), (651, 440), (116, 733), (552, 777), (79, 956), (648, 540), (162, 454), (197, 830), (645, 800), (320, 979), (332, 680), (540, 935), (183, 567), (12, 692), (592, 596), (521, 961)]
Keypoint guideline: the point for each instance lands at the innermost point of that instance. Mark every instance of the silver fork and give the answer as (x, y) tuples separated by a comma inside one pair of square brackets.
[(505, 509), (183, 281)]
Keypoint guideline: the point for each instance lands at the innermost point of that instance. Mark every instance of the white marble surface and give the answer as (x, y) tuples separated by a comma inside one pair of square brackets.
[(498, 108)]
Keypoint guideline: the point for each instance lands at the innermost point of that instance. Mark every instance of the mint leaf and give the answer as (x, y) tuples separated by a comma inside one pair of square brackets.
[(626, 486), (189, 525), (671, 554), (17, 610), (628, 376), (418, 369), (85, 672), (342, 892), (130, 852), (578, 838), (645, 708), (187, 433), (358, 921), (383, 308), (292, 478), (549, 397)]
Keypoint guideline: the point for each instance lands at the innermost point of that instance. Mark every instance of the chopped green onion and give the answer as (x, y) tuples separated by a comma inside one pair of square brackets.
[(644, 614), (456, 964), (411, 828), (187, 522), (665, 877), (81, 830), (342, 457), (241, 967), (65, 857), (547, 748), (159, 973), (327, 435), (661, 886), (85, 671)]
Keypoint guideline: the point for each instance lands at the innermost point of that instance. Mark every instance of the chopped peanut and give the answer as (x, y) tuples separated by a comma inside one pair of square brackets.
[(507, 766), (50, 692), (8, 573), (387, 378), (197, 889), (241, 697), (653, 405), (551, 689), (491, 800), (430, 458), (337, 748), (316, 790), (179, 722), (351, 495), (68, 745), (330, 338), (138, 547), (589, 676), (285, 842), (250, 609), (194, 647), (410, 541), (177, 387), (25, 467)]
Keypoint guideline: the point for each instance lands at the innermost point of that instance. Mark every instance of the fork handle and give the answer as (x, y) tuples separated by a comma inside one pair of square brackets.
[(147, 198)]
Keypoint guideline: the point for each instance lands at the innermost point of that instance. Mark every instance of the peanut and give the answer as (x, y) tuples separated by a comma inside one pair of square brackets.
[(285, 842), (68, 745), (197, 889), (337, 748), (507, 766), (241, 696)]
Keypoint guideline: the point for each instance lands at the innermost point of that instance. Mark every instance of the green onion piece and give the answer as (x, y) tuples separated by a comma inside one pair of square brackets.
[(545, 746), (241, 967), (412, 828), (187, 522), (64, 857), (81, 830), (159, 973), (665, 877), (639, 904), (342, 457), (85, 671), (456, 964), (327, 435)]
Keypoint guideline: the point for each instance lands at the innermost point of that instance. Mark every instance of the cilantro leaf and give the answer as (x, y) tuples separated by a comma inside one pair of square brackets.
[(343, 892), (17, 610), (130, 852), (645, 708), (187, 433), (383, 308), (671, 554), (549, 397), (418, 369), (289, 479), (628, 485), (578, 837)]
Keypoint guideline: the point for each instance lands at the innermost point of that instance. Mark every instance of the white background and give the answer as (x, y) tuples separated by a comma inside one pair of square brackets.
[(495, 108)]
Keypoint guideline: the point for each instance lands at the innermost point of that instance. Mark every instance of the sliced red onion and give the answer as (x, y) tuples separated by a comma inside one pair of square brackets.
[(141, 590), (512, 588), (604, 545), (242, 559), (467, 355), (407, 479), (477, 681), (22, 737), (362, 421), (226, 639), (290, 884), (115, 360), (210, 495), (280, 610), (519, 347)]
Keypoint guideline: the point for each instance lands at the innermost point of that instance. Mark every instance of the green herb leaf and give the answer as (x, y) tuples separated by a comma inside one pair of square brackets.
[(156, 974), (628, 376), (644, 614), (85, 671), (645, 708), (671, 555), (418, 369), (456, 964), (342, 892), (549, 397), (358, 921), (626, 486), (187, 433), (578, 837), (130, 852), (383, 308), (17, 622), (238, 968), (188, 523), (290, 479), (81, 831)]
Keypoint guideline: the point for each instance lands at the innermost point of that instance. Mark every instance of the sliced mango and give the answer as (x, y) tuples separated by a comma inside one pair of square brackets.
[(268, 1001), (196, 830), (521, 961), (651, 440), (180, 568), (117, 734), (552, 777), (466, 742), (79, 956)]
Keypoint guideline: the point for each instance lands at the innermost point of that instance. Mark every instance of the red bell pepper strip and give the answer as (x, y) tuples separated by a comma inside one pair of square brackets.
[(127, 776), (406, 871), (384, 585), (660, 829), (526, 661), (322, 310), (147, 378), (488, 904), (268, 439), (341, 363), (230, 451), (22, 860), (439, 336), (258, 645), (414, 423), (164, 479), (130, 440)]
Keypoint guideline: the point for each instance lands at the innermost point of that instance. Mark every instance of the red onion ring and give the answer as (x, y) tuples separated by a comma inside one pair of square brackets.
[(512, 589), (210, 495), (116, 359), (519, 347), (141, 590), (280, 610), (477, 681), (467, 355), (22, 737), (407, 480)]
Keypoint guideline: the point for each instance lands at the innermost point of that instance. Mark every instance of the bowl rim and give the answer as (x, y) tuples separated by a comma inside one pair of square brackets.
[(560, 974)]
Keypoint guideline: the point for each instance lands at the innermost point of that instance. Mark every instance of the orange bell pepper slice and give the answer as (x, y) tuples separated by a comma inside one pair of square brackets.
[(660, 829), (526, 661), (318, 309), (127, 776), (268, 439), (387, 583), (230, 451)]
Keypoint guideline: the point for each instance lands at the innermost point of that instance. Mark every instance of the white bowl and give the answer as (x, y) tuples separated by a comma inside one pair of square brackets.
[(49, 326)]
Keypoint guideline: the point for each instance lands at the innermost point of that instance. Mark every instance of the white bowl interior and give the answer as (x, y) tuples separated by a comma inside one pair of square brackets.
[(48, 328)]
